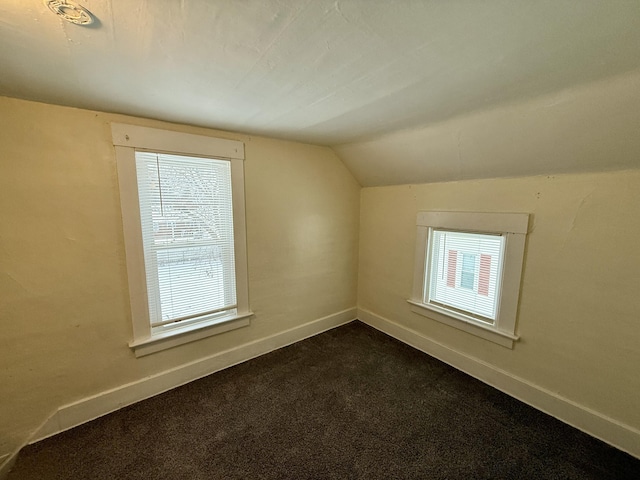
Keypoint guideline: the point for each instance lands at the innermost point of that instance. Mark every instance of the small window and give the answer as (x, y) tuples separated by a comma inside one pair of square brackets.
[(465, 271), (468, 268), (183, 211)]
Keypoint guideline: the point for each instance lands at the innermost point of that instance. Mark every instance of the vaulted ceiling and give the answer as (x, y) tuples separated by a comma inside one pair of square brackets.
[(396, 87)]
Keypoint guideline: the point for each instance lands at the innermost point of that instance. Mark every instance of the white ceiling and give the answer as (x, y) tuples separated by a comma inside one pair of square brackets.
[(318, 71)]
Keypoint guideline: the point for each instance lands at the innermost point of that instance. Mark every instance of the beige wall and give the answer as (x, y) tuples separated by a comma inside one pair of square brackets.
[(580, 300), (64, 310), (63, 292)]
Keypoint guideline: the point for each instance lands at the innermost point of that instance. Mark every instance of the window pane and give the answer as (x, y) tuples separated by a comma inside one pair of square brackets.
[(191, 281), (187, 228), (465, 271)]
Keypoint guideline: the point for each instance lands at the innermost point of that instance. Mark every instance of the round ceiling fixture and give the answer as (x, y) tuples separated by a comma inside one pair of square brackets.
[(70, 11)]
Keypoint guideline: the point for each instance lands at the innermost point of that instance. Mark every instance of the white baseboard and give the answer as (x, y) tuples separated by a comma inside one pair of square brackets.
[(85, 410), (613, 432), (6, 462)]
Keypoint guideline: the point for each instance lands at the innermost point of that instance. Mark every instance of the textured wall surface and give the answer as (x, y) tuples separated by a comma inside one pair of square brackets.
[(64, 308), (579, 305)]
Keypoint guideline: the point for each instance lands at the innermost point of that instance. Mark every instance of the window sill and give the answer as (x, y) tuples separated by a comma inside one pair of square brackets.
[(191, 333), (458, 321)]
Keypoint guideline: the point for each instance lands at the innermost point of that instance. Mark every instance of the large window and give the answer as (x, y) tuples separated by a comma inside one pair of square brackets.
[(468, 268), (183, 210)]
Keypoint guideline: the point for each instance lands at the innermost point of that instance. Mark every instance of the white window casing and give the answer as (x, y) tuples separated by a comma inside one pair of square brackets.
[(474, 283), (158, 323)]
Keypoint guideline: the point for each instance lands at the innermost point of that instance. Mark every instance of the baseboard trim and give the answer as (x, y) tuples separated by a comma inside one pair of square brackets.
[(6, 462), (609, 430), (85, 410)]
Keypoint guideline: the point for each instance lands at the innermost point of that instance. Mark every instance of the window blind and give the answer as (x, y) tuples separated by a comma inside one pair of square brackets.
[(465, 270), (187, 230)]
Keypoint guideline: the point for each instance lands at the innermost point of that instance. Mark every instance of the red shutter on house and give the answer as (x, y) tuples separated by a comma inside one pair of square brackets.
[(451, 268), (485, 271)]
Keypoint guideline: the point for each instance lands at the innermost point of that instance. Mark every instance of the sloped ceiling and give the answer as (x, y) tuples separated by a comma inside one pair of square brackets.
[(349, 74)]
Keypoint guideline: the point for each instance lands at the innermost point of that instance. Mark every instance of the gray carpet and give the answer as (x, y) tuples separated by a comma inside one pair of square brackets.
[(351, 403)]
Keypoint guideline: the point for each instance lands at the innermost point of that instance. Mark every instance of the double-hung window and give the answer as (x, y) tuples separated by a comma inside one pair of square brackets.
[(467, 271), (182, 202)]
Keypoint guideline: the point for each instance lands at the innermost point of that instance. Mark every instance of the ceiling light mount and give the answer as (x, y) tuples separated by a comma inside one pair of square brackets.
[(70, 11)]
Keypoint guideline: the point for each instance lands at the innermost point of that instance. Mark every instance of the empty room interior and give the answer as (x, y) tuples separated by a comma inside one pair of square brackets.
[(187, 187)]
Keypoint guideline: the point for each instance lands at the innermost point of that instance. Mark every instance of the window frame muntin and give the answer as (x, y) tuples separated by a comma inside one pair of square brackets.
[(127, 139), (513, 226)]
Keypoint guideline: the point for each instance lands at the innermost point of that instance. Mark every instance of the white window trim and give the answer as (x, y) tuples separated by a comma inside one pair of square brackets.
[(126, 140), (513, 226)]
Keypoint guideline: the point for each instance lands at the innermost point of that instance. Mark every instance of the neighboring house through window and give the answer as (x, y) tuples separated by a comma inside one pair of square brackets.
[(467, 271)]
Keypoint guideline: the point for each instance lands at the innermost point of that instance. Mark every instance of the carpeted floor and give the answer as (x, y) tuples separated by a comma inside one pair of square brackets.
[(351, 403)]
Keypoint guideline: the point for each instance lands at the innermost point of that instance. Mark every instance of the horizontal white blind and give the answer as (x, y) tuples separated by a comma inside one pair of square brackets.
[(465, 270), (186, 214)]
